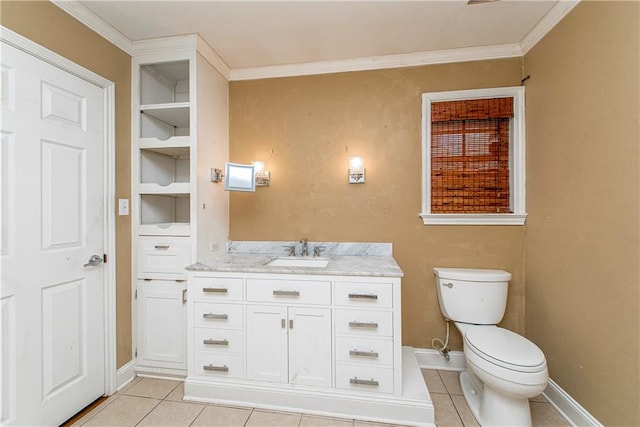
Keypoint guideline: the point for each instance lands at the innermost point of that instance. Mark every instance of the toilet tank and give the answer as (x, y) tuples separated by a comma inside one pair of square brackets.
[(474, 296)]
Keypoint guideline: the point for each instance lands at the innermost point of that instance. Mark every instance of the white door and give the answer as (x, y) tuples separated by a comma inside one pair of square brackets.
[(53, 143), (267, 343), (162, 319), (310, 346)]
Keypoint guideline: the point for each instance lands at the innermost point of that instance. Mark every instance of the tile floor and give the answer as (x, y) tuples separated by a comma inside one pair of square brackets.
[(155, 402)]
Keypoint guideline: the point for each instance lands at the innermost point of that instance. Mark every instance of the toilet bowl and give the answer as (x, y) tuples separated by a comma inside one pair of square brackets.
[(504, 369)]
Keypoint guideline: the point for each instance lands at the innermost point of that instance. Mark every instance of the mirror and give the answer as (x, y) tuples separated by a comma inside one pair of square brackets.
[(238, 177)]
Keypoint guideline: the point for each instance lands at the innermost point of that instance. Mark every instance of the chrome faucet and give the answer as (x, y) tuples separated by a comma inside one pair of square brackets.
[(305, 247)]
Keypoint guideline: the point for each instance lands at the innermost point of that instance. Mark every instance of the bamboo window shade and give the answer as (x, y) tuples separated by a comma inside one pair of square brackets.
[(470, 156)]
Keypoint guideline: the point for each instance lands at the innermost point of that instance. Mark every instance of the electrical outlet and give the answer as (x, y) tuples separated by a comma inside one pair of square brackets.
[(123, 207), (214, 246)]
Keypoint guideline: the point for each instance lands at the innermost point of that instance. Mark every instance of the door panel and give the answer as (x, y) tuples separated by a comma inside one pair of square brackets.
[(63, 195), (310, 346), (63, 317), (267, 343), (53, 144)]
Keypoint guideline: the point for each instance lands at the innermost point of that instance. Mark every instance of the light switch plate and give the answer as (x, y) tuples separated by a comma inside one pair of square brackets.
[(123, 206)]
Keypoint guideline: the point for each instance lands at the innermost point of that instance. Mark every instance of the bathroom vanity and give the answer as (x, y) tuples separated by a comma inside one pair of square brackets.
[(316, 335)]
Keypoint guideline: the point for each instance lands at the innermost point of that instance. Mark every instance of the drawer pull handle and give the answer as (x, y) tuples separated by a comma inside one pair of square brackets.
[(215, 342), (281, 293), (358, 381), (363, 296), (363, 353), (215, 316), (161, 246), (210, 367), (215, 290), (372, 325)]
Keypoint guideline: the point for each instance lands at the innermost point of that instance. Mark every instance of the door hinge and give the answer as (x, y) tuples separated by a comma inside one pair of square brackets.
[(104, 258), (136, 353), (136, 295)]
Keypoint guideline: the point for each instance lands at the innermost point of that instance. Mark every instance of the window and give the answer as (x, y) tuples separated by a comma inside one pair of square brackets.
[(473, 157)]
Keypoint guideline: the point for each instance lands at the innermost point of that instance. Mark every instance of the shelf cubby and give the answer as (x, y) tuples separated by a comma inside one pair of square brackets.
[(163, 168), (164, 100), (165, 214)]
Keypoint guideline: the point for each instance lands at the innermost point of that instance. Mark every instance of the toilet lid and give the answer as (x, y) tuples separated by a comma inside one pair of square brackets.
[(505, 348)]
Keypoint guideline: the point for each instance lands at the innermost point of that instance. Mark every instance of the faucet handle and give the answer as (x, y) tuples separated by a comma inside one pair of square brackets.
[(317, 250), (291, 250)]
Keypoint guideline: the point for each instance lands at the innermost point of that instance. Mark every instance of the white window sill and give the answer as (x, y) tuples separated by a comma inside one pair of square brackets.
[(473, 219)]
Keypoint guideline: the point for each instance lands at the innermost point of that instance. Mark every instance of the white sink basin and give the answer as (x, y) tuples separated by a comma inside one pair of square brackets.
[(299, 262)]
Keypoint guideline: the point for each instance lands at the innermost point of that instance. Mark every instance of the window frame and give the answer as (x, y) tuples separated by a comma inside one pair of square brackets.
[(516, 159)]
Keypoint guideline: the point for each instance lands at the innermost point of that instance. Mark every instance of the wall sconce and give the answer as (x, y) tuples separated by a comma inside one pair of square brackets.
[(263, 177), (356, 170)]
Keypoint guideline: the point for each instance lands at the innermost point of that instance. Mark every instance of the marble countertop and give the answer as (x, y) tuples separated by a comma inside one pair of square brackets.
[(357, 262)]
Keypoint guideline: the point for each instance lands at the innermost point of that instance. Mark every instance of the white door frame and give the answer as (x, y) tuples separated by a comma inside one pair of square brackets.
[(108, 87)]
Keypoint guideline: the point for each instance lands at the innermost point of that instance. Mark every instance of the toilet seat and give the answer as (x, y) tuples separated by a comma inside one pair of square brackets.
[(504, 348)]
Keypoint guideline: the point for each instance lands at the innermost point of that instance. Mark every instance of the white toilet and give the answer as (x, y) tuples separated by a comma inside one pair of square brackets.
[(504, 369)]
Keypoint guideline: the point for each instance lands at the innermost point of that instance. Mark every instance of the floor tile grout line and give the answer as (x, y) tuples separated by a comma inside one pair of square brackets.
[(150, 411), (196, 417)]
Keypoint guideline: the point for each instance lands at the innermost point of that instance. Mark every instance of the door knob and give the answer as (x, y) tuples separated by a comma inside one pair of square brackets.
[(94, 260)]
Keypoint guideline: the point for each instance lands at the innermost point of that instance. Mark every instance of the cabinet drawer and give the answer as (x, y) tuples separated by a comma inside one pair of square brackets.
[(211, 315), (289, 291), (219, 340), (218, 288), (162, 257), (229, 365), (364, 350), (373, 295), (364, 378), (364, 322)]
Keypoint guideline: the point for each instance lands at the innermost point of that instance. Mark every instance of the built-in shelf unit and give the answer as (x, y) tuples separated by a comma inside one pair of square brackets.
[(167, 198)]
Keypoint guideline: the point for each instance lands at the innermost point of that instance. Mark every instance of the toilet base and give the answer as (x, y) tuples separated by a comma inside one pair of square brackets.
[(491, 408)]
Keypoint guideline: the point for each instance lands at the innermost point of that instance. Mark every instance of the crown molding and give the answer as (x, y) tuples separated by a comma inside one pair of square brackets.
[(194, 41), (555, 15), (93, 21), (181, 43), (213, 58), (379, 62)]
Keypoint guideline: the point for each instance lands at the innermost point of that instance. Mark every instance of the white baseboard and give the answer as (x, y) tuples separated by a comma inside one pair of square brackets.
[(432, 359), (568, 407), (125, 375)]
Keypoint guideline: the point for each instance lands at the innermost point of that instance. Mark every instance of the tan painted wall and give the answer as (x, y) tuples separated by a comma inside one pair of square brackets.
[(310, 122), (52, 28), (582, 243)]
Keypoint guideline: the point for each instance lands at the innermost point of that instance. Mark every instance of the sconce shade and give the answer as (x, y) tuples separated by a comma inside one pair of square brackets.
[(356, 170), (262, 177)]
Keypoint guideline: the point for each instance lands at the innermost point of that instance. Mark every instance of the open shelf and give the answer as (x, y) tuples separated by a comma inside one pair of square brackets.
[(164, 100), (166, 146), (165, 214), (166, 82), (163, 167)]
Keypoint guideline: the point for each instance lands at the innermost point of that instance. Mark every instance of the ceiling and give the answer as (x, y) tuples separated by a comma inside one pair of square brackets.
[(268, 35)]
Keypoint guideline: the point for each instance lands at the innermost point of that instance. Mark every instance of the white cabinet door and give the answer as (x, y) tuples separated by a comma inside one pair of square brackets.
[(289, 345), (161, 318), (267, 343), (310, 346)]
